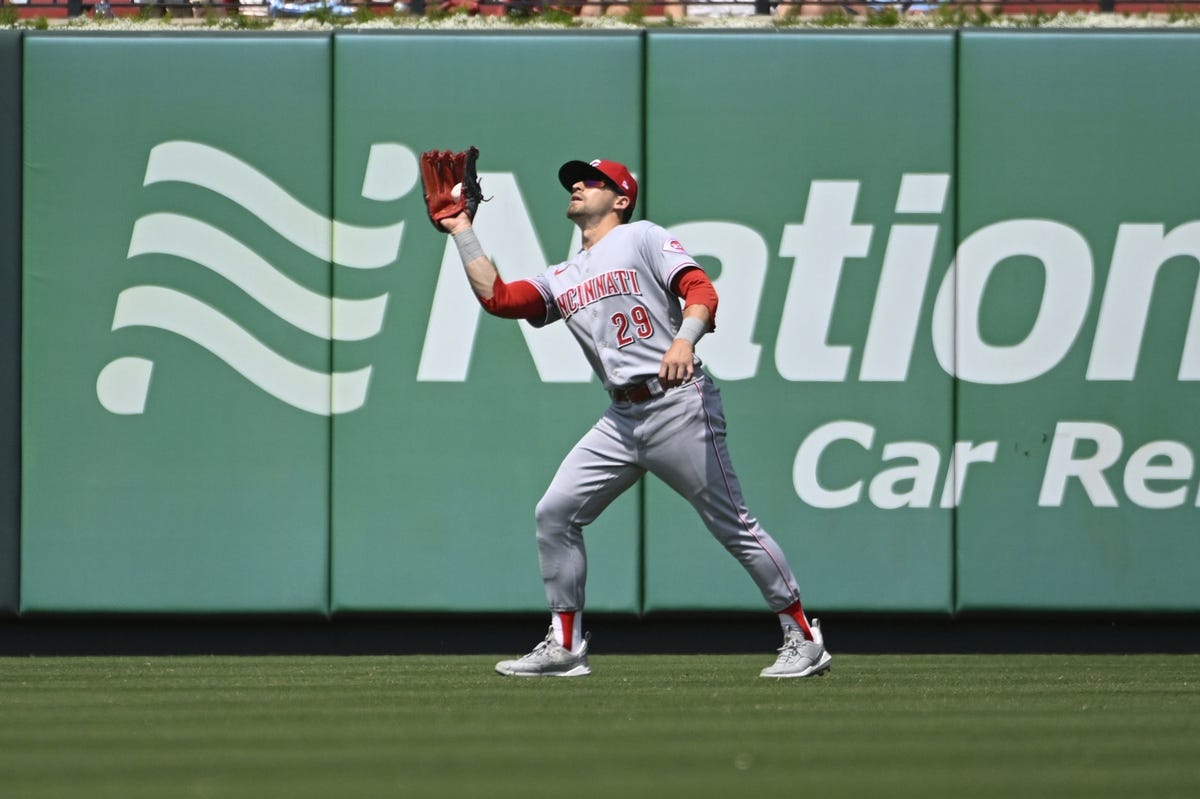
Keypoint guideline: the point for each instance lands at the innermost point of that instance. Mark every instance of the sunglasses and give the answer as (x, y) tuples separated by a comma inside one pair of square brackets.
[(595, 184)]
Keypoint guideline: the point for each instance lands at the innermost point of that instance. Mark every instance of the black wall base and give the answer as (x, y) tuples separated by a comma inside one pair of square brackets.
[(662, 634)]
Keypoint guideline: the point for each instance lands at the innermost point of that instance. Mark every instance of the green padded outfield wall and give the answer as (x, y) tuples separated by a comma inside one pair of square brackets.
[(1078, 342), (435, 479), (959, 336), (177, 382), (10, 315), (819, 203)]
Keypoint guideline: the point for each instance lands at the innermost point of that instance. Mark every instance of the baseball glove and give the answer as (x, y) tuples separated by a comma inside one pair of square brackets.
[(451, 184)]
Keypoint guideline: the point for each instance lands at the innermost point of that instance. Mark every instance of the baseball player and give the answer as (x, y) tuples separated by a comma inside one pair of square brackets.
[(637, 303)]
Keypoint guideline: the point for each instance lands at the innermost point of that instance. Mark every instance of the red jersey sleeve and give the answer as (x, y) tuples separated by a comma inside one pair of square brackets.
[(517, 300), (696, 289)]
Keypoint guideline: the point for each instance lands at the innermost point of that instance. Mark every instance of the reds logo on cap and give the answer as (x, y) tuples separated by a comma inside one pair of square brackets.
[(615, 173), (599, 164)]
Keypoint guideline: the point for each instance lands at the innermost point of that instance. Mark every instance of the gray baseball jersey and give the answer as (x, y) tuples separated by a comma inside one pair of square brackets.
[(616, 300)]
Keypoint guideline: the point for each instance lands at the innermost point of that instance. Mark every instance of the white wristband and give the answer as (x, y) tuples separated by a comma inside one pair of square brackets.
[(468, 245), (692, 329)]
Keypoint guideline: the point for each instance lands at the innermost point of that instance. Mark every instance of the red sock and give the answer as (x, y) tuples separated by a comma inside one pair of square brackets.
[(567, 623), (796, 612)]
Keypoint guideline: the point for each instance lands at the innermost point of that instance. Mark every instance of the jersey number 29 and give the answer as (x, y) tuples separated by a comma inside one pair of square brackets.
[(633, 326)]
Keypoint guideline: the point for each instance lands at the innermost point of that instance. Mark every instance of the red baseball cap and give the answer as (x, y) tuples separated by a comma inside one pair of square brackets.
[(618, 175)]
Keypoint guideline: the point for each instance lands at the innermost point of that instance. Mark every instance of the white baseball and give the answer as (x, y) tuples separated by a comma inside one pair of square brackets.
[(456, 192)]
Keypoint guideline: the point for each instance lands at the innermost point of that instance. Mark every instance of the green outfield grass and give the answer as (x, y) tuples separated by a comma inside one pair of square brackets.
[(640, 726)]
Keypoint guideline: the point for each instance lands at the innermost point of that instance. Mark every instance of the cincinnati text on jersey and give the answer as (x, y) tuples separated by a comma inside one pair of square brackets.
[(610, 284)]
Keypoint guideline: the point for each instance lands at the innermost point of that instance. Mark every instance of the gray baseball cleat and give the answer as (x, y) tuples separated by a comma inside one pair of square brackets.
[(799, 657), (548, 659)]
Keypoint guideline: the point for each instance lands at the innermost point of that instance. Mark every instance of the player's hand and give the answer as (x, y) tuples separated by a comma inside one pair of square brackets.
[(677, 365), (457, 223)]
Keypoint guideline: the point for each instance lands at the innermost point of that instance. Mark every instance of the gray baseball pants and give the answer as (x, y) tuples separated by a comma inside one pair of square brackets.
[(680, 437)]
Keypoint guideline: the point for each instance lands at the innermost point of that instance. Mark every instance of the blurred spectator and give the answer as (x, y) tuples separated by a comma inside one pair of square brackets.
[(813, 8), (618, 8), (278, 8), (472, 7), (881, 5), (209, 8), (819, 8), (714, 8)]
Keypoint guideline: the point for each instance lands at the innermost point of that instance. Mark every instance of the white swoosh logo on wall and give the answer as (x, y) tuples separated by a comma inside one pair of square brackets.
[(308, 390), (203, 244), (218, 171), (391, 172)]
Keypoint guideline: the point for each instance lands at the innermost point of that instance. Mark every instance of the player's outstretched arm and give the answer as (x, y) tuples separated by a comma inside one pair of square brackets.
[(452, 197), (516, 300), (481, 272)]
